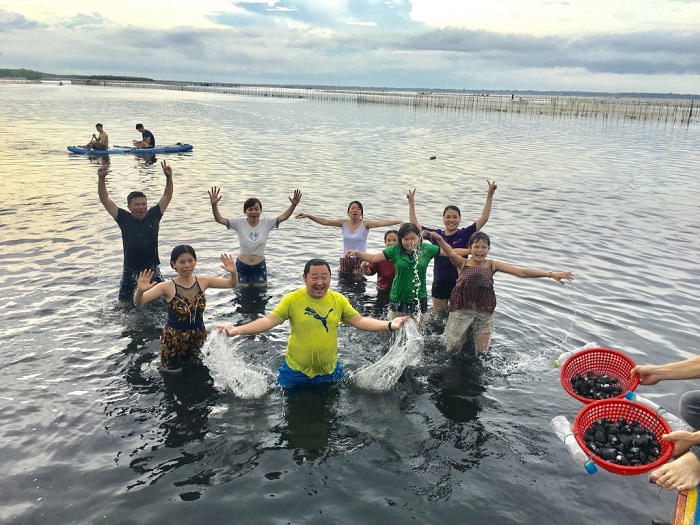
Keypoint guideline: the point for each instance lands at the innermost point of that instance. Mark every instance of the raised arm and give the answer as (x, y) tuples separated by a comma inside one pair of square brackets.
[(254, 327), (369, 257), (214, 198), (228, 263), (560, 277), (410, 196), (650, 374), (321, 220), (486, 212), (146, 291), (108, 203), (168, 192), (380, 223), (445, 249), (294, 202)]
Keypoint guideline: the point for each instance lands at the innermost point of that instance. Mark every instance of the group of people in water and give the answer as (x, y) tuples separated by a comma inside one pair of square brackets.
[(101, 140), (463, 286)]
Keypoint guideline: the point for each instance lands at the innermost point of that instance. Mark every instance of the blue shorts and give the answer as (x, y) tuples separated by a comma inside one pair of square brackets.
[(130, 279), (251, 274), (289, 378)]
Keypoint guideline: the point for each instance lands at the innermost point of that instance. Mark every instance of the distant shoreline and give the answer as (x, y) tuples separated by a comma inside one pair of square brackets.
[(681, 110)]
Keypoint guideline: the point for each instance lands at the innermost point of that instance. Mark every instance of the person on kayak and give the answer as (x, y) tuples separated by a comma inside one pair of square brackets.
[(99, 141), (147, 138)]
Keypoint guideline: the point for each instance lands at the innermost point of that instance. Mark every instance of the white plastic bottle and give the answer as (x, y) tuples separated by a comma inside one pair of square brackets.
[(564, 431), (673, 421), (563, 357)]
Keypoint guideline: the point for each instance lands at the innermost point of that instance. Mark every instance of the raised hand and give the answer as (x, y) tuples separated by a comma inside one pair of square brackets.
[(166, 169), (296, 198), (144, 283), (410, 196), (492, 186), (214, 196), (228, 263)]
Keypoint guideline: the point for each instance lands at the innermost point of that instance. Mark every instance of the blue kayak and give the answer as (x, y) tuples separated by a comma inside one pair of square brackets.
[(118, 150)]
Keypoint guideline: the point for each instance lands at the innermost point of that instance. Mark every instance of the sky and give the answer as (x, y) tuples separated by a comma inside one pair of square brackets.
[(647, 46)]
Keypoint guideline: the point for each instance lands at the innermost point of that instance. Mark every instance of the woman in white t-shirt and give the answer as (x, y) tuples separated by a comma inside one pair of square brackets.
[(252, 231)]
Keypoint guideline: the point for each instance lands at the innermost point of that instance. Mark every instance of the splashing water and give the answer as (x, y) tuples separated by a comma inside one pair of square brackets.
[(406, 350), (230, 371)]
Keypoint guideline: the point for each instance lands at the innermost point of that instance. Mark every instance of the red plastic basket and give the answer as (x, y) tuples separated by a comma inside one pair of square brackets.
[(614, 409), (599, 361)]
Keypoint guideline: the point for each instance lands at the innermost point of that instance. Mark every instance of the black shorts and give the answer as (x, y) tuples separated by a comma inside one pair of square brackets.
[(405, 308), (442, 289)]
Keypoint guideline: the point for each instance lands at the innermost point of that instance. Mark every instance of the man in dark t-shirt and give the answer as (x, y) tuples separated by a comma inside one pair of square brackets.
[(147, 138), (139, 226)]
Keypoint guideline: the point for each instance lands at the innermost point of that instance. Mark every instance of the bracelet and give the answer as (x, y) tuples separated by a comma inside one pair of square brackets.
[(549, 275), (389, 325)]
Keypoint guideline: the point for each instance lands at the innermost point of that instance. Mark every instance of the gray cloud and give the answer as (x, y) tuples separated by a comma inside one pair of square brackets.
[(301, 54), (10, 21)]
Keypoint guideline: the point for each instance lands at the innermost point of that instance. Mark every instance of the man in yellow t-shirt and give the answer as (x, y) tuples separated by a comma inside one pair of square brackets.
[(314, 313)]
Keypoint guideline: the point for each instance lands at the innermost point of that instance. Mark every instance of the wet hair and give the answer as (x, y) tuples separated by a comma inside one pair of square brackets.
[(139, 126), (451, 207), (98, 125), (389, 233), (405, 229), (315, 262), (359, 204), (479, 236), (179, 250), (249, 203), (135, 195)]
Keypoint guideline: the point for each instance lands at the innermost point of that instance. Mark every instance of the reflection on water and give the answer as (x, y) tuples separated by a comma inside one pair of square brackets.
[(309, 416), (88, 419)]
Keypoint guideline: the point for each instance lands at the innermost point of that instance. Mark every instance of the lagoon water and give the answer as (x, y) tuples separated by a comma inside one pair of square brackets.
[(92, 432)]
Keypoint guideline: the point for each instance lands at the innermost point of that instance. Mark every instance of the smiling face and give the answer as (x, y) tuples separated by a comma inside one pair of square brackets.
[(479, 249), (184, 265), (318, 281), (253, 213), (138, 207), (451, 219)]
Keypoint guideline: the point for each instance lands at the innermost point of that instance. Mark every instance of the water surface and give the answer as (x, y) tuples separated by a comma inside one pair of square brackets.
[(92, 433)]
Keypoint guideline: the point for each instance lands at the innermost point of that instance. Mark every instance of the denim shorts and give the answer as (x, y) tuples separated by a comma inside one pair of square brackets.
[(288, 378), (130, 279), (251, 273)]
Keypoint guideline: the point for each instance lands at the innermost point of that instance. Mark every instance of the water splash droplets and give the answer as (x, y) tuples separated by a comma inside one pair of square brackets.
[(230, 370), (406, 350)]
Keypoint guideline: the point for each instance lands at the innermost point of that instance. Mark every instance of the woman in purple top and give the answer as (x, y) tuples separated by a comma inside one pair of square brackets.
[(355, 229), (444, 273)]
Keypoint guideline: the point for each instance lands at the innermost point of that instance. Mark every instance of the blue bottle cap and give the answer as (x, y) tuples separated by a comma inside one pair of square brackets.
[(590, 467), (630, 396)]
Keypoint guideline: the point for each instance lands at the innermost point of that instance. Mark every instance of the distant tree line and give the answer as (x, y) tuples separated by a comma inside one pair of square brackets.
[(30, 74)]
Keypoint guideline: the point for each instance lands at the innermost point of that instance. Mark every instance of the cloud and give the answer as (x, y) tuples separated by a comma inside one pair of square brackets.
[(393, 14), (10, 21), (81, 21)]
